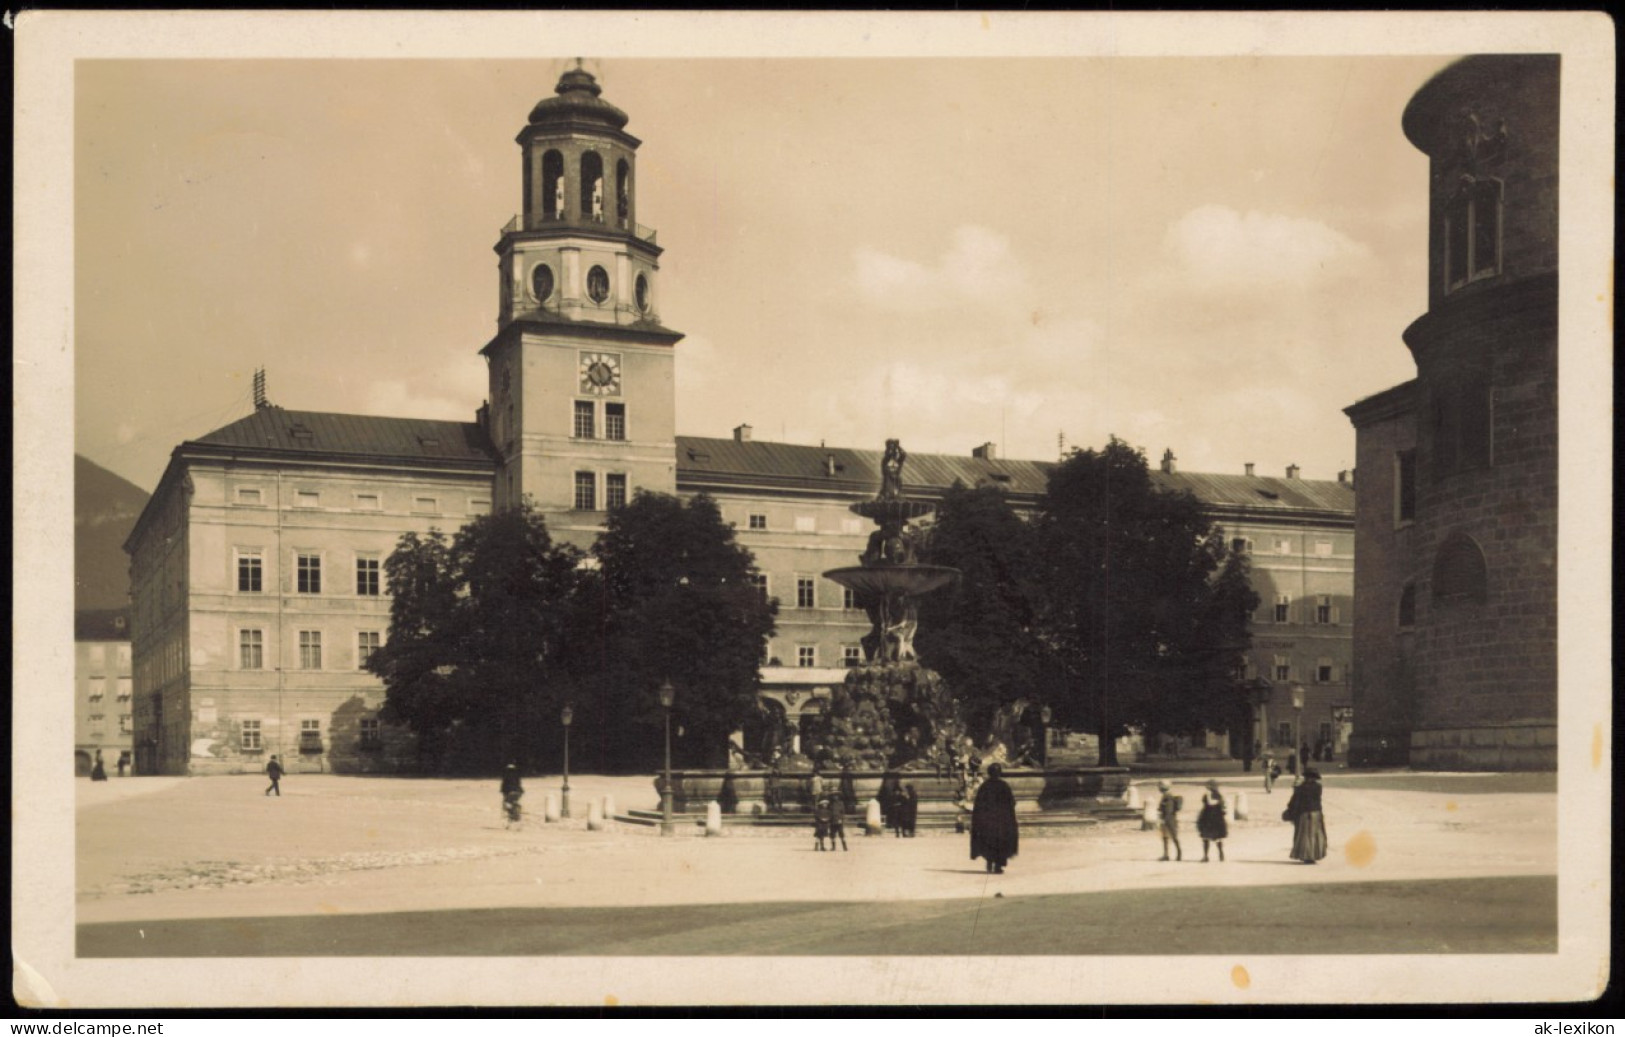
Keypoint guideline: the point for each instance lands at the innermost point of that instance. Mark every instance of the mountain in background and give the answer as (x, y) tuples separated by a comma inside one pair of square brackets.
[(105, 507)]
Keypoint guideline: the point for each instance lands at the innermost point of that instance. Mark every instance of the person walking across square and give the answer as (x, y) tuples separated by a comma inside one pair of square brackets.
[(1168, 811), (273, 770)]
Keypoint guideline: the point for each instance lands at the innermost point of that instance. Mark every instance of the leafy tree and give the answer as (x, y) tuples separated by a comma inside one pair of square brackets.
[(479, 633), (1141, 608), (984, 635), (674, 601)]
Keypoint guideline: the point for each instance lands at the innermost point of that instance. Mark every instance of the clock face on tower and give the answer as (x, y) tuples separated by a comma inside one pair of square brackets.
[(600, 374)]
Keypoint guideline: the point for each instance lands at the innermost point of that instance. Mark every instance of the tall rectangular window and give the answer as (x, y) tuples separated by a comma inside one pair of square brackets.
[(368, 581), (250, 571), (310, 736), (250, 735), (759, 581), (584, 419), (806, 655), (251, 649), (849, 598), (615, 421), (1283, 667), (1323, 670), (310, 649), (309, 574), (370, 736), (366, 643), (1325, 614), (851, 655), (1404, 486), (1283, 733), (615, 490), (806, 593), (1283, 608), (586, 498), (1473, 233)]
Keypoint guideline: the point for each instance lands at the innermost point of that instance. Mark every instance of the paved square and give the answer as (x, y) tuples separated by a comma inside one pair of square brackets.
[(378, 866)]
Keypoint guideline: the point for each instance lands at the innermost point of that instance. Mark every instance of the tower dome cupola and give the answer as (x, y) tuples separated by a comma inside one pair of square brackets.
[(577, 102)]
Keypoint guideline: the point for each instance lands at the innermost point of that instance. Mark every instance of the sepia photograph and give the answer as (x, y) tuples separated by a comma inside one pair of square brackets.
[(707, 509)]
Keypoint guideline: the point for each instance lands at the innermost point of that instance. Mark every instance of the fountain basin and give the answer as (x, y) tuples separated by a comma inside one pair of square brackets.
[(885, 579), (744, 792)]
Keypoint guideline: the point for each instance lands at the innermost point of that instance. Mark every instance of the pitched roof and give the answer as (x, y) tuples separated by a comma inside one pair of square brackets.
[(277, 431), (793, 468), (101, 624)]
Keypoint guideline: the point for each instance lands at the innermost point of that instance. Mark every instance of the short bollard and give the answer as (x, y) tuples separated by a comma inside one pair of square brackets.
[(1148, 820), (1132, 799), (550, 807), (871, 818), (1238, 808), (595, 817), (713, 818), (609, 808)]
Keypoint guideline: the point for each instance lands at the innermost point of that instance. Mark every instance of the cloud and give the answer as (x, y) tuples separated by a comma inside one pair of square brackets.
[(978, 267), (1220, 248)]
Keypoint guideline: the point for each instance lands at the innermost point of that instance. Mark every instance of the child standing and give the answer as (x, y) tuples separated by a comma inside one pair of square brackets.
[(837, 825), (1210, 823), (1168, 811), (822, 815)]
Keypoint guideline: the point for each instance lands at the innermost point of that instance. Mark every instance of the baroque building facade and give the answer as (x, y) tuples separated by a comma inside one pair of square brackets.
[(1456, 599), (257, 565), (103, 689)]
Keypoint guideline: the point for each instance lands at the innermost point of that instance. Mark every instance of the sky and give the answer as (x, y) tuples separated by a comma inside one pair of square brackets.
[(1208, 255)]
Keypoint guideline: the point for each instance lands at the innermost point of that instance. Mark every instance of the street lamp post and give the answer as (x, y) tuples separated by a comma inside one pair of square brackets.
[(668, 695), (1297, 723), (1044, 716), (564, 800)]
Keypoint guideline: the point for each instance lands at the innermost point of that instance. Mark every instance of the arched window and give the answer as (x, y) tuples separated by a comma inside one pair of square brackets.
[(1459, 572), (553, 186), (623, 192), (592, 186)]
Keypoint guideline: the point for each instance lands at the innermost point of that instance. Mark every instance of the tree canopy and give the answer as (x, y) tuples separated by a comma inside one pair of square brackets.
[(495, 630), (1143, 608)]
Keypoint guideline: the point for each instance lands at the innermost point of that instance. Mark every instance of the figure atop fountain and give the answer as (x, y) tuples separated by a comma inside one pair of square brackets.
[(891, 471)]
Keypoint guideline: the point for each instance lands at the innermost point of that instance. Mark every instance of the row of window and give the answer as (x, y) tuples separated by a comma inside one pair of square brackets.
[(1323, 612), (590, 180), (307, 565), (98, 655), (586, 420), (126, 724), (98, 688), (251, 734), (251, 648), (1279, 546), (422, 504), (586, 491), (807, 656), (1281, 669), (806, 591), (756, 520)]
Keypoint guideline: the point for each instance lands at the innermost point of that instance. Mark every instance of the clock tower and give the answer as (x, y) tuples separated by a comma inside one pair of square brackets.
[(582, 392)]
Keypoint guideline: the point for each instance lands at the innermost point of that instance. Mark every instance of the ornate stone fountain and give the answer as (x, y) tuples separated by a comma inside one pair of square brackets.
[(893, 720)]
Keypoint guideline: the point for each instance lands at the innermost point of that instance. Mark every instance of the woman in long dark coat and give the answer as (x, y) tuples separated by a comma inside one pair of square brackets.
[(993, 832), (1309, 825), (1210, 823)]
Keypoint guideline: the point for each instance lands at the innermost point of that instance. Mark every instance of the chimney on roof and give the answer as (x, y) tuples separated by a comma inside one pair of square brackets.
[(1249, 467), (1168, 461), (1292, 471), (1343, 477), (742, 434), (830, 467), (986, 452)]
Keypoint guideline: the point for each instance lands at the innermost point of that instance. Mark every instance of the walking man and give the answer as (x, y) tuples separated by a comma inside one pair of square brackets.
[(1168, 810), (273, 770)]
